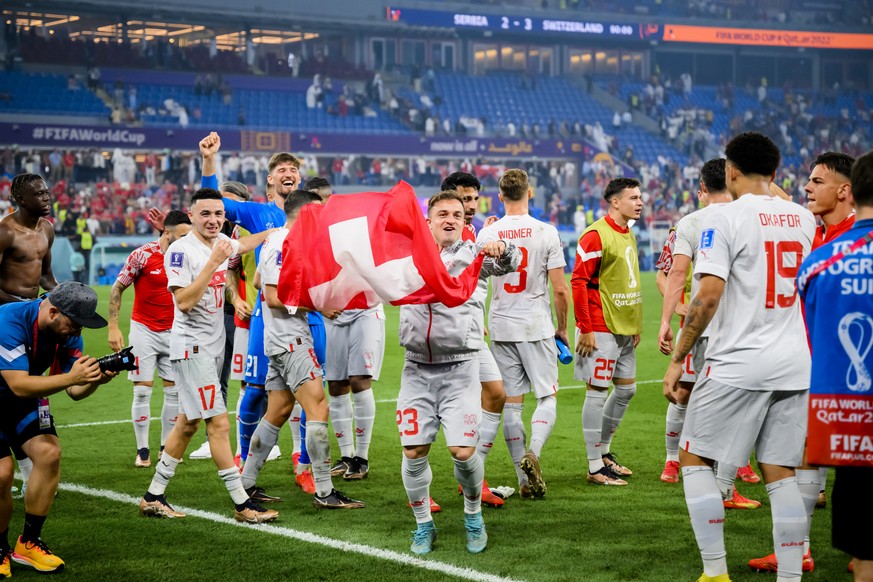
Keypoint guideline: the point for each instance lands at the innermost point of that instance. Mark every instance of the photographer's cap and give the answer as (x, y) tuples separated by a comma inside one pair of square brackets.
[(78, 302)]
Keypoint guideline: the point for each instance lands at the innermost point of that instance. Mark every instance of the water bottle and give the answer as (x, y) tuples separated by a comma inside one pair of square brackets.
[(565, 356)]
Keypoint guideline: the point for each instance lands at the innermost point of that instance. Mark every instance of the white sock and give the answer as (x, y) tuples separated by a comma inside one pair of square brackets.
[(515, 437), (233, 482), (25, 465), (675, 420), (164, 471), (140, 412), (823, 477), (542, 422), (809, 485), (613, 411), (706, 510), (365, 413), (318, 447), (341, 419), (417, 477), (169, 411), (242, 392), (789, 526), (294, 425), (592, 424), (726, 476), (487, 433), (470, 474), (265, 438)]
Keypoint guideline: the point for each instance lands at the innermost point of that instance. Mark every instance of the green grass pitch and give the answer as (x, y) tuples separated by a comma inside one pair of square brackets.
[(578, 532)]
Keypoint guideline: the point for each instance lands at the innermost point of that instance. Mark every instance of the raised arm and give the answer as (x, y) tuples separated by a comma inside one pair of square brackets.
[(209, 146)]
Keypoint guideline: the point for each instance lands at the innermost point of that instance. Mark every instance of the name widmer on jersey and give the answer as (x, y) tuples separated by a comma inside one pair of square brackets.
[(515, 233), (779, 220)]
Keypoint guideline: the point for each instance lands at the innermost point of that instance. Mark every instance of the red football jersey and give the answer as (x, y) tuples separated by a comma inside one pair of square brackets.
[(152, 302)]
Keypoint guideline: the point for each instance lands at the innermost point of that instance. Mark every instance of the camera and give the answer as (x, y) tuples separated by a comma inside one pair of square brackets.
[(123, 360)]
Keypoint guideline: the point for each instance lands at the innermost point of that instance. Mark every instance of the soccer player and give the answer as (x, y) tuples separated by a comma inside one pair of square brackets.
[(294, 374), (282, 179), (838, 304), (521, 327), (26, 240), (151, 321), (356, 348), (829, 196), (756, 377), (609, 317), (493, 393), (439, 385), (713, 195), (196, 267), (320, 186), (38, 336), (237, 314), (675, 412), (829, 192)]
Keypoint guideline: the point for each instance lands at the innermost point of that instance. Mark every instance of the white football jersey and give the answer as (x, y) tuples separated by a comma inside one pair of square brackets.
[(687, 243), (756, 245), (281, 329), (521, 310), (200, 332)]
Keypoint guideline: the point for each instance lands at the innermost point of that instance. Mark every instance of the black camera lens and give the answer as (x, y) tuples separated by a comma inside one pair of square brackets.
[(123, 360)]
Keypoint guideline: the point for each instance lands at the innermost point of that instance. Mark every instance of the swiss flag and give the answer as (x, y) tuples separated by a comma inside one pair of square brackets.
[(360, 250)]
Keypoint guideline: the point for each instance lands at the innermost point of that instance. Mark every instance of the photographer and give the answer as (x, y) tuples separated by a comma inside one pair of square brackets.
[(40, 335)]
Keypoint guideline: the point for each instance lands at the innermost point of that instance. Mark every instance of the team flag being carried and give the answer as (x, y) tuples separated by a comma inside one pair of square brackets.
[(360, 250)]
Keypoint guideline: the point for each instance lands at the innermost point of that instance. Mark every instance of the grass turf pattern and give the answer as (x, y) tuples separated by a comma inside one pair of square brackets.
[(578, 532)]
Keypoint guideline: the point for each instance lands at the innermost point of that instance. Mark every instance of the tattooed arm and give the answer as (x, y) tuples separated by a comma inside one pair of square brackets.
[(700, 312)]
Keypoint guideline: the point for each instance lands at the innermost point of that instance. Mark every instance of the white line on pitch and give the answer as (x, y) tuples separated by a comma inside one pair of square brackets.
[(369, 551), (105, 422)]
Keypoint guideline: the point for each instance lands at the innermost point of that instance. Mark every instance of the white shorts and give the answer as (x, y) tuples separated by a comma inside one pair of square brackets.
[(694, 360), (290, 370), (726, 423), (199, 387), (356, 349), (152, 351), (615, 357), (240, 351), (488, 371), (439, 394), (698, 356), (528, 367)]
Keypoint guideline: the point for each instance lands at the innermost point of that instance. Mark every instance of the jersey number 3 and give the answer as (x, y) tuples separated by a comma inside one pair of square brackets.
[(522, 275)]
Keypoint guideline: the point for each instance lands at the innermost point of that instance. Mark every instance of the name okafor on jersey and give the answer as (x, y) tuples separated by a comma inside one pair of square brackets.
[(756, 245), (281, 328), (688, 242), (521, 310), (200, 332)]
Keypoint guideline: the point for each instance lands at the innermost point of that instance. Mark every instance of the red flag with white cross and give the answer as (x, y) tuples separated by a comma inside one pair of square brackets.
[(359, 250)]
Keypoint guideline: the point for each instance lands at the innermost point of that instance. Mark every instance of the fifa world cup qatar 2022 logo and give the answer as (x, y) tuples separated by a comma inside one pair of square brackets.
[(855, 331)]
